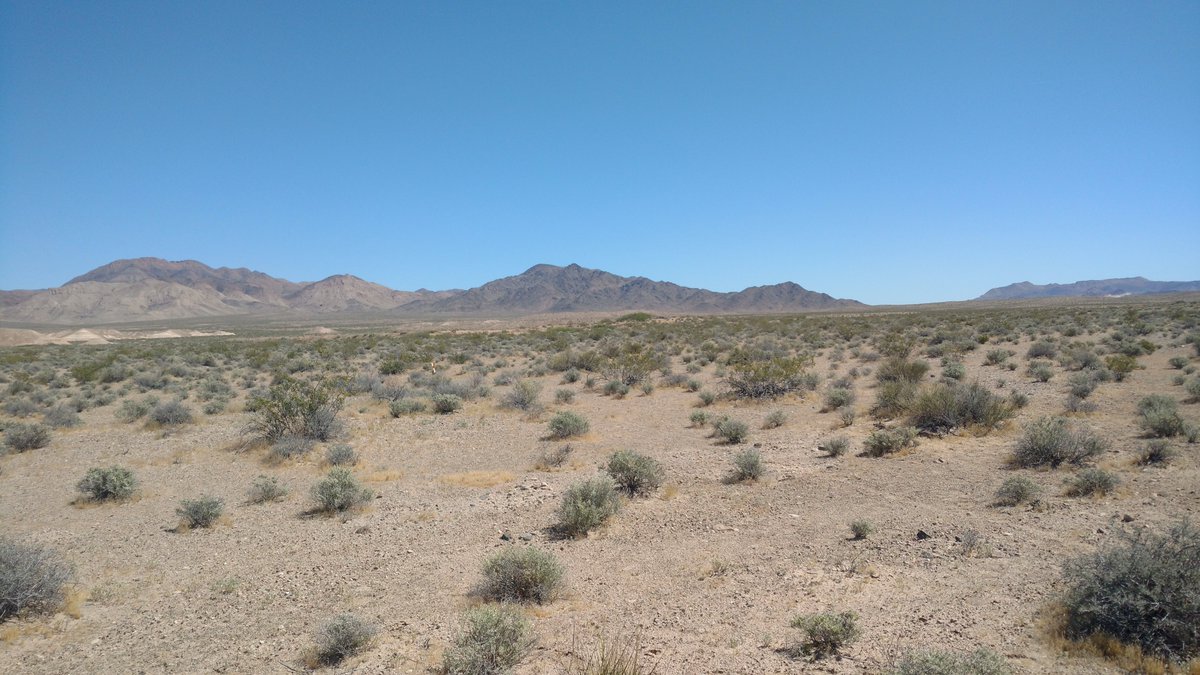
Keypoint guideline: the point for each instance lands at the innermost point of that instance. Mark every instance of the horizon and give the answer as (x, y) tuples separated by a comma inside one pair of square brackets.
[(888, 153)]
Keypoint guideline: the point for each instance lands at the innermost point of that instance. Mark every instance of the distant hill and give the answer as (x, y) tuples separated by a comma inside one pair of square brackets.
[(1096, 288), (152, 289)]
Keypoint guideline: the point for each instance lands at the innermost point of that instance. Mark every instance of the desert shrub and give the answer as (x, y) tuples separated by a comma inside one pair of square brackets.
[(1120, 365), (1042, 350), (692, 386), (521, 574), (341, 637), (32, 579), (766, 378), (893, 398), (23, 407), (995, 357), (1193, 390), (570, 376), (748, 465), (619, 655), (900, 369), (730, 431), (616, 388), (201, 512), (1144, 592), (340, 454), (1082, 384), (287, 447), (634, 473), (954, 370), (444, 404), (861, 529), (62, 416), (266, 489), (1040, 371), (837, 397), (848, 416), (587, 504), (1158, 451), (698, 418), (1159, 416), (215, 407), (933, 662), (491, 640), (171, 413), (1017, 400), (567, 424), (775, 419), (131, 410), (826, 634), (523, 395), (1075, 404), (945, 407), (114, 482), (21, 437), (296, 408), (339, 490), (835, 447), (886, 441), (1178, 362), (552, 459), (707, 398), (1049, 441), (406, 406), (1092, 481), (1016, 490), (564, 396)]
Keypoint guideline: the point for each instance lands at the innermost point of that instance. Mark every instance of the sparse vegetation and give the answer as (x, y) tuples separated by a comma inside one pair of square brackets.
[(21, 437), (521, 574), (108, 484), (587, 504), (492, 639), (634, 473), (936, 662), (341, 637), (1050, 441), (202, 512), (566, 424), (861, 529), (730, 431), (1016, 490), (339, 491), (33, 579), (826, 634), (266, 489)]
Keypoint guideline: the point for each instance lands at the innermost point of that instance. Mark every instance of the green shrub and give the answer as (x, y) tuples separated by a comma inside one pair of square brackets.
[(748, 465), (1121, 365), (131, 411), (266, 489), (1144, 592), (900, 369), (523, 395), (616, 388), (406, 406), (1178, 362), (295, 408), (339, 490), (1041, 350), (341, 637), (634, 473), (1016, 490), (202, 512), (933, 662), (730, 431), (1040, 371), (838, 397), (1158, 451), (33, 579), (826, 634), (835, 447), (886, 441), (1082, 384), (775, 419), (766, 378), (893, 398), (552, 459), (566, 424), (287, 447), (1193, 390), (1092, 481), (995, 357), (340, 454), (707, 398), (945, 407), (587, 504), (1049, 441), (21, 437), (171, 413), (445, 404), (698, 418), (954, 370), (1159, 416), (114, 482), (861, 529), (521, 574), (62, 416), (564, 396), (491, 640)]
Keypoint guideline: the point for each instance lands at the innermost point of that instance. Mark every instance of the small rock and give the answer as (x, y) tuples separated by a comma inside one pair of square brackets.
[(922, 534), (506, 537), (1126, 518), (527, 537)]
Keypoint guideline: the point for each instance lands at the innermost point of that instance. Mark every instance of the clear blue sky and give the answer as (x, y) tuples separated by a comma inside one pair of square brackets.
[(890, 152)]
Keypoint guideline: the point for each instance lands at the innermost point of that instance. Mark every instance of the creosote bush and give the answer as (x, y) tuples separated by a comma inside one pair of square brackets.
[(945, 407), (766, 378), (296, 408), (33, 579), (826, 634), (634, 473), (521, 574), (339, 490), (341, 637), (201, 512), (934, 662), (104, 484), (491, 640), (1144, 592), (1016, 490), (566, 424), (1049, 441), (21, 437), (587, 504)]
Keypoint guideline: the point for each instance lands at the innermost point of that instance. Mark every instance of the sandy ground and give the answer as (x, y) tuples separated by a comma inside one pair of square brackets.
[(707, 575)]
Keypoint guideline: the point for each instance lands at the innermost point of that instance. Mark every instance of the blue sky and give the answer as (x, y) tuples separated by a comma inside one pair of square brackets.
[(891, 152)]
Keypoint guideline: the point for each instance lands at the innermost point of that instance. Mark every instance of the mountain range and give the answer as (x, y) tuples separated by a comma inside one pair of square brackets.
[(1095, 288), (142, 289)]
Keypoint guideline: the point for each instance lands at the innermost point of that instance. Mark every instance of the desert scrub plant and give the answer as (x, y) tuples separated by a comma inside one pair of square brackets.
[(521, 574), (1144, 592), (1157, 451), (756, 378), (838, 397), (553, 459), (1193, 390), (775, 419), (935, 662), (1121, 365), (171, 413), (1159, 416), (1092, 481), (825, 634), (1016, 490), (954, 370), (1040, 371), (341, 637), (338, 491), (835, 447), (1178, 362), (405, 406), (634, 473), (491, 639), (861, 529), (523, 395), (340, 454), (587, 504), (266, 489), (199, 513), (445, 404), (21, 437), (730, 431), (62, 416), (296, 408), (886, 441), (945, 407), (106, 484), (33, 579), (131, 410), (698, 418), (287, 447), (747, 465), (1049, 441), (564, 396), (617, 655), (707, 398), (566, 424)]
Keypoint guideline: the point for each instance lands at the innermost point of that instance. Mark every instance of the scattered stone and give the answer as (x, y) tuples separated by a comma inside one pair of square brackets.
[(922, 534)]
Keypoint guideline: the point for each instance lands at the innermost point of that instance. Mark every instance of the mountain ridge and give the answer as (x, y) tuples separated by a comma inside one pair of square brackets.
[(1115, 287)]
